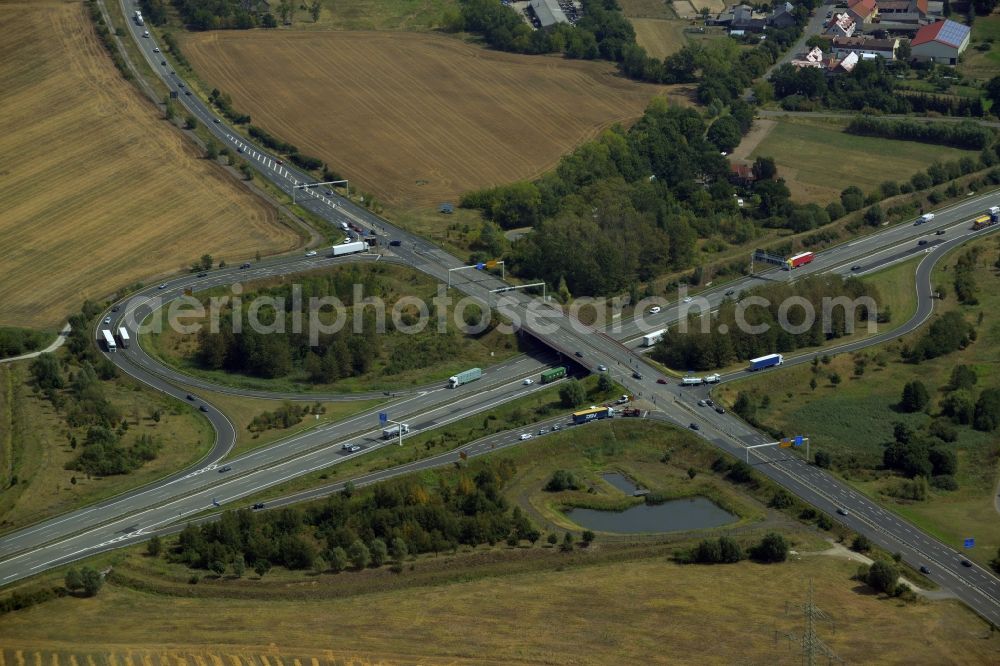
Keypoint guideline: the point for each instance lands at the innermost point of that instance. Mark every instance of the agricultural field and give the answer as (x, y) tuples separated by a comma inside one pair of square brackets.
[(97, 191), (659, 37), (35, 447), (854, 419), (415, 119), (818, 159)]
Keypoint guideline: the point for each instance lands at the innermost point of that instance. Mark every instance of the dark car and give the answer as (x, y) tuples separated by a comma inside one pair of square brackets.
[(202, 274), (694, 426), (709, 402), (578, 354), (720, 410), (924, 570), (855, 268), (939, 232), (224, 469), (246, 265), (190, 397), (163, 62), (661, 380), (395, 243), (114, 308), (922, 241), (258, 506), (730, 292), (187, 92), (637, 375), (203, 408), (966, 563)]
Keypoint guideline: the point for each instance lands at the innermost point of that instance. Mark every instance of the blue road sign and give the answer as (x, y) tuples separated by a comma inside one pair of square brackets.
[(481, 267), (969, 543), (798, 440), (383, 417)]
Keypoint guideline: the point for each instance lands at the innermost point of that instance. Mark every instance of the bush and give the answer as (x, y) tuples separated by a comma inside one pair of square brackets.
[(861, 544), (562, 480), (944, 482), (882, 576), (772, 548)]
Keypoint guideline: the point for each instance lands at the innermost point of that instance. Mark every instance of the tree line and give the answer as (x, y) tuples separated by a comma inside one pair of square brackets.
[(16, 341), (967, 135), (699, 349), (349, 530)]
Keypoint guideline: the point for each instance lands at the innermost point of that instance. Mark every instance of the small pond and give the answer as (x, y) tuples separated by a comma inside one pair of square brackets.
[(692, 513)]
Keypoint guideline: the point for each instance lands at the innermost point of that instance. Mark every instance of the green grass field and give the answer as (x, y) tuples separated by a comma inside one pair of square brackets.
[(34, 447), (818, 160), (412, 15), (854, 419), (978, 64)]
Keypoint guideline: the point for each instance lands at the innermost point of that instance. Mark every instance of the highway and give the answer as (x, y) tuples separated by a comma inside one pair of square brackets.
[(130, 517)]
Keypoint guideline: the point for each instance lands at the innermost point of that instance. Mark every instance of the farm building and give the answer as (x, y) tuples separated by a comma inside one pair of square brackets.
[(862, 11), (941, 42), (883, 48), (548, 12)]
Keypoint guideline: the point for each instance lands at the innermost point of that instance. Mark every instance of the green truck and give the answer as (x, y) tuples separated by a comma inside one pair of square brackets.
[(553, 374)]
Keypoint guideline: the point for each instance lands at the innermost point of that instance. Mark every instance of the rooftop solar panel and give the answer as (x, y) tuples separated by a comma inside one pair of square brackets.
[(952, 33)]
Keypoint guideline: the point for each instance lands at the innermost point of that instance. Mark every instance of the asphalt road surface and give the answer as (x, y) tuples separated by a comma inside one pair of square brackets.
[(135, 515)]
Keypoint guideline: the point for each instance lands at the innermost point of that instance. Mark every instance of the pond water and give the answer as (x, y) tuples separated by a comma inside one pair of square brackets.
[(692, 513)]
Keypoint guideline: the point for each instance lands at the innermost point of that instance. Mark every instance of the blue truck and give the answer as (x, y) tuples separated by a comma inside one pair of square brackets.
[(768, 361)]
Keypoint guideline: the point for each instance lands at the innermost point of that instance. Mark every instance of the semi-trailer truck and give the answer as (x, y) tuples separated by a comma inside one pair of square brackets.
[(465, 377), (692, 381), (123, 338), (799, 260), (768, 361), (109, 340), (349, 248), (592, 414), (553, 374), (651, 339), (393, 431), (138, 18)]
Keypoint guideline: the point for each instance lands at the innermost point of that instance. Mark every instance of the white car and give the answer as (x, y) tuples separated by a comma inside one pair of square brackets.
[(687, 299), (654, 310), (311, 253), (156, 49), (526, 435), (602, 368), (529, 381)]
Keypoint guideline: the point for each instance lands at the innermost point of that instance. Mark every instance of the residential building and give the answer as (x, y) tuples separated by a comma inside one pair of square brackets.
[(841, 25), (740, 18), (882, 48), (843, 65), (862, 11), (812, 59), (782, 16), (940, 42)]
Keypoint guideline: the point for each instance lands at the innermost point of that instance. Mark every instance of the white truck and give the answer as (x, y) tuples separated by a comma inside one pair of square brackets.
[(109, 340), (713, 379), (692, 381), (651, 339), (349, 248), (123, 338), (926, 217), (393, 431), (464, 377), (138, 18)]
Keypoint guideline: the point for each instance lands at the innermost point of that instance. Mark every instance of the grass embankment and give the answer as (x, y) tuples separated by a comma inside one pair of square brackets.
[(854, 420), (34, 447), (803, 150), (624, 590), (144, 205), (401, 362), (241, 411)]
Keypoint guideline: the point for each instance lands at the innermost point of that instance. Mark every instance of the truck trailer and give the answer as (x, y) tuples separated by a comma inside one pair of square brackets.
[(593, 414), (393, 431), (138, 18), (553, 374), (464, 377), (123, 338), (109, 340), (768, 361), (651, 339), (692, 381), (799, 260), (349, 248)]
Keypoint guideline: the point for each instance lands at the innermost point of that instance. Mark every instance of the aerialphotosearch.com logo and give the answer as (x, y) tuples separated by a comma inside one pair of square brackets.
[(320, 316)]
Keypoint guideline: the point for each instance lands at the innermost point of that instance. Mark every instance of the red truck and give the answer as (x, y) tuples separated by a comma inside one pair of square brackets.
[(799, 260)]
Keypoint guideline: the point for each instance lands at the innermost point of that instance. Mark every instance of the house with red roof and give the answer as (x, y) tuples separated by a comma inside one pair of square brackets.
[(862, 11), (940, 42)]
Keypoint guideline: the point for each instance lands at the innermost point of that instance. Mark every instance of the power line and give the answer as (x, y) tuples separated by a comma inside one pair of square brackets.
[(809, 641)]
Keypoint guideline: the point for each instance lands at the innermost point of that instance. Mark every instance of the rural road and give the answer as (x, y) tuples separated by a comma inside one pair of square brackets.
[(56, 344), (62, 539)]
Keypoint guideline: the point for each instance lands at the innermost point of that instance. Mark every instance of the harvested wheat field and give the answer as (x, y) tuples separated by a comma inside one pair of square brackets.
[(96, 190), (414, 118)]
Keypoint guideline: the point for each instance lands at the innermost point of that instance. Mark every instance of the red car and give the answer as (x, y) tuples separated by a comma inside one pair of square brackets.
[(661, 380)]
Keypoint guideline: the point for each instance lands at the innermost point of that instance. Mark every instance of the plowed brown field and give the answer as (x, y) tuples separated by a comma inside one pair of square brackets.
[(415, 118), (96, 191)]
